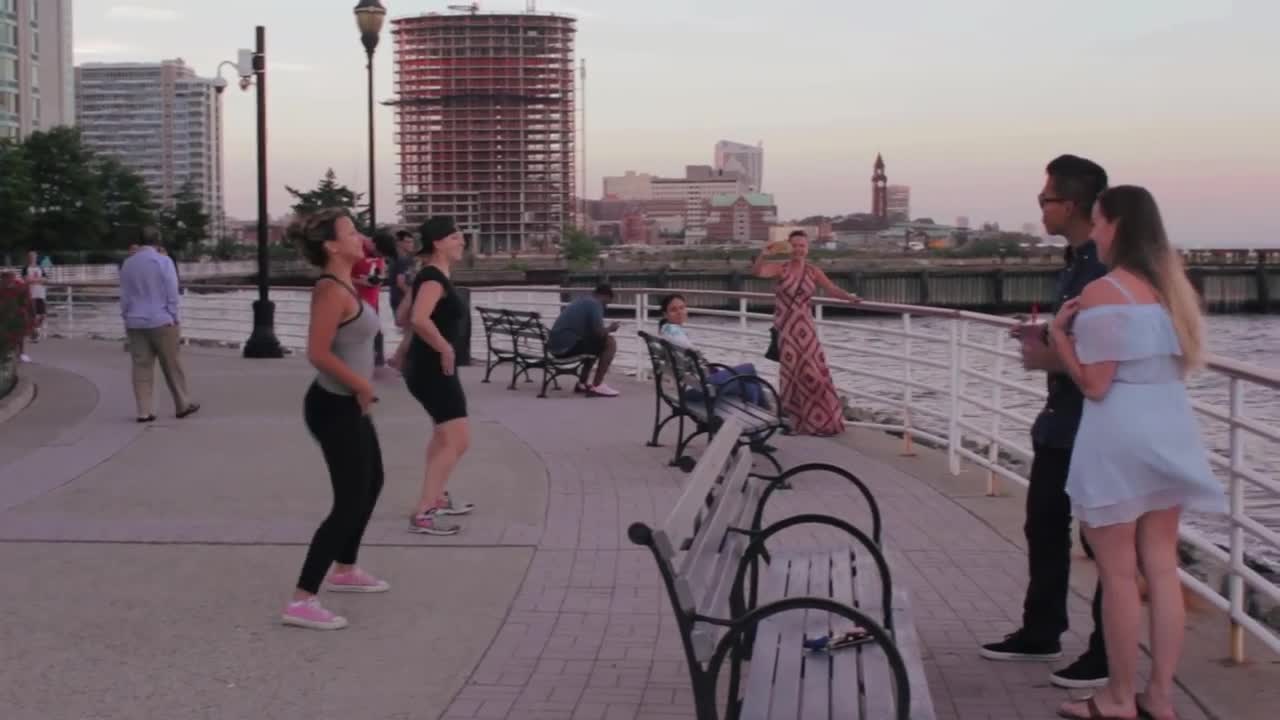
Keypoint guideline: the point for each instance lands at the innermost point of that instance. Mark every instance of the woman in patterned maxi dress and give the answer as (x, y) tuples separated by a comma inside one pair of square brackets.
[(809, 397)]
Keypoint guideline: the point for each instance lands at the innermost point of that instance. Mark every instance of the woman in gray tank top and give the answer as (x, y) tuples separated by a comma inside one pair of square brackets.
[(340, 346)]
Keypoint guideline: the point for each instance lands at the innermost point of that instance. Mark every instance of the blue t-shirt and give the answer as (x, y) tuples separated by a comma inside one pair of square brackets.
[(580, 319)]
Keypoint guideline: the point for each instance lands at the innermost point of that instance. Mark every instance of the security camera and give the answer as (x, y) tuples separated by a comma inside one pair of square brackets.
[(246, 83), (220, 85)]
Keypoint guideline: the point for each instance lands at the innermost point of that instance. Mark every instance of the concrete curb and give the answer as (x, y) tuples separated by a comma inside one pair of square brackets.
[(17, 400)]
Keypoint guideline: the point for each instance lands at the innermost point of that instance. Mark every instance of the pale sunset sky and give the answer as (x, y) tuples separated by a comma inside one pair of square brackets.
[(966, 99)]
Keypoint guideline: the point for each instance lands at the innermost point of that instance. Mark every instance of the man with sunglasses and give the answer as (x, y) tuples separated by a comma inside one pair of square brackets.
[(1066, 204)]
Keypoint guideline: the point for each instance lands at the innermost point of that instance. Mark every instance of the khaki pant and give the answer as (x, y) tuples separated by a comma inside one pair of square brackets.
[(146, 346)]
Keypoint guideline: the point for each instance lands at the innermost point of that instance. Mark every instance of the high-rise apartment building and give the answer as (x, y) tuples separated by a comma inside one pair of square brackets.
[(162, 121), (746, 160), (485, 109), (898, 203), (36, 71)]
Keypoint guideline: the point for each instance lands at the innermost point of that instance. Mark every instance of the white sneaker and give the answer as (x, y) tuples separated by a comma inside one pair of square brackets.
[(602, 390), (24, 358)]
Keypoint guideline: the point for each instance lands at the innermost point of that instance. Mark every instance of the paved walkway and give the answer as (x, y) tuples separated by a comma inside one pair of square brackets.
[(145, 565)]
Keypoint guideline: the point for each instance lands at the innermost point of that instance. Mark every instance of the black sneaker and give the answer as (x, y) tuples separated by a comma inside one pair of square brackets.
[(1087, 671), (1018, 646)]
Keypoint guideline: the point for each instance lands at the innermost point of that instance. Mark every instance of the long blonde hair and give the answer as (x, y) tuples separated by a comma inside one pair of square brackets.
[(1142, 247)]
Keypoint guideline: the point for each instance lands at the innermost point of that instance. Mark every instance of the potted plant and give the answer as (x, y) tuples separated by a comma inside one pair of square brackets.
[(15, 323)]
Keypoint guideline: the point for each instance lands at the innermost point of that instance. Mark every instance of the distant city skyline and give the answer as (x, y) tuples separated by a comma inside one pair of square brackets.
[(1167, 95)]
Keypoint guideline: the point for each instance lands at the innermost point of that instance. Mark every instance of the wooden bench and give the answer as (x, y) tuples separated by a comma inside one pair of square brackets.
[(499, 344), (681, 387), (530, 340), (732, 613)]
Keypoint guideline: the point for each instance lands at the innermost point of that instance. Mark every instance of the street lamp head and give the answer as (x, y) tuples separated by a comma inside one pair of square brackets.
[(370, 16), (220, 84)]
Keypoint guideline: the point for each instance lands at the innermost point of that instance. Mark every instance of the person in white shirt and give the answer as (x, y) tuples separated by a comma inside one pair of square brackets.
[(675, 313), (36, 279)]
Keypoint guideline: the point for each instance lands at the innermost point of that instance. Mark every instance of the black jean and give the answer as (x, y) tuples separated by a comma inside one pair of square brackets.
[(1048, 532), (350, 446)]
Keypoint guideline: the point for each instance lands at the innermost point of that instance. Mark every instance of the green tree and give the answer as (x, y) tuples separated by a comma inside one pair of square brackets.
[(186, 225), (578, 247), (15, 198), (126, 202), (329, 193), (66, 199)]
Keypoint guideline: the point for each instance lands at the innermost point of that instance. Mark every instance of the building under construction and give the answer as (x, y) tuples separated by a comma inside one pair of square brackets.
[(485, 124)]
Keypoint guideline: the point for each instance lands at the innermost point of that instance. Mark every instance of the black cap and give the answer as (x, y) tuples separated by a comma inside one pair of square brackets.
[(436, 228), (604, 290)]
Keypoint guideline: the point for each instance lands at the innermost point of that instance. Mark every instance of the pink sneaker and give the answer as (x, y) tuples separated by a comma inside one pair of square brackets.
[(309, 614), (355, 581), (602, 390)]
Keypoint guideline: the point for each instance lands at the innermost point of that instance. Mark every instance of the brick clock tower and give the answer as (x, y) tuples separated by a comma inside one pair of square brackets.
[(879, 191)]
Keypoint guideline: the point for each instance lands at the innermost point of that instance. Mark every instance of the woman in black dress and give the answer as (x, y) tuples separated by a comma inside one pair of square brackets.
[(437, 316)]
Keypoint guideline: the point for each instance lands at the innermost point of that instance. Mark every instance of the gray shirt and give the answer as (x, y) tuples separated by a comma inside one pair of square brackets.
[(580, 319), (353, 344)]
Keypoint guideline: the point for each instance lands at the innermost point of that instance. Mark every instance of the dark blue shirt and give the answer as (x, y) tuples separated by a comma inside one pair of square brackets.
[(1057, 423), (581, 319)]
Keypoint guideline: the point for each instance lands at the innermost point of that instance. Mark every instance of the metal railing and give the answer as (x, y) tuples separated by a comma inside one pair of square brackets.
[(944, 377)]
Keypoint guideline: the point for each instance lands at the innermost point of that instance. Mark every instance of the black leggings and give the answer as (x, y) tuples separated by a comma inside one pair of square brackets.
[(350, 445)]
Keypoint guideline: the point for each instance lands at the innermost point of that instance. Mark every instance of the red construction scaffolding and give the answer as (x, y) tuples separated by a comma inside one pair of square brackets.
[(485, 124)]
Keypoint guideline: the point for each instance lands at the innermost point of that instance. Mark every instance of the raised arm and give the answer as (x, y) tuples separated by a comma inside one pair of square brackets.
[(762, 268), (834, 290)]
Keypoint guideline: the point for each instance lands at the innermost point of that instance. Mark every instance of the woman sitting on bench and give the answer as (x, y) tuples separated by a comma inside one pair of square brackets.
[(675, 313)]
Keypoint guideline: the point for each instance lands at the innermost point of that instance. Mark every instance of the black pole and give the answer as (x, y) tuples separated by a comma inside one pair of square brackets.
[(373, 181), (262, 343)]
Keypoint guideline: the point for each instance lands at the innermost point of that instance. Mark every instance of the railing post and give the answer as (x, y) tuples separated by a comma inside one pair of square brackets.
[(71, 311), (742, 314), (997, 397), (1235, 582), (953, 429), (908, 437), (642, 315), (818, 318)]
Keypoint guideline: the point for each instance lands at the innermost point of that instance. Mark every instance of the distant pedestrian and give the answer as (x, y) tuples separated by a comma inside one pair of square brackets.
[(37, 280), (1128, 343), (368, 277), (337, 413), (809, 398), (431, 373), (400, 274), (149, 302)]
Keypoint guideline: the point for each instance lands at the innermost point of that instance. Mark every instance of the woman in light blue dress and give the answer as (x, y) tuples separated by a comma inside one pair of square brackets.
[(1138, 462)]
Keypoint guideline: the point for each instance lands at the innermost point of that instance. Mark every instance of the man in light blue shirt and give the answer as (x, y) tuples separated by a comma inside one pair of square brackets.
[(149, 305)]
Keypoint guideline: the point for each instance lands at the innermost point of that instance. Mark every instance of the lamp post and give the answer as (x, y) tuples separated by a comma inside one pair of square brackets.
[(262, 343), (370, 15)]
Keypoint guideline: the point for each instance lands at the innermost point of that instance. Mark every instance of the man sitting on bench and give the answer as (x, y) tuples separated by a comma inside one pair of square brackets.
[(580, 330)]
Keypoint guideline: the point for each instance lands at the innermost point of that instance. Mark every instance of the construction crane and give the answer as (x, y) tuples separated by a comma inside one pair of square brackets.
[(472, 7)]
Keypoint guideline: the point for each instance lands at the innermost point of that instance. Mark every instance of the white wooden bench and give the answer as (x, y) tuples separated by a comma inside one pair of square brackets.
[(752, 621)]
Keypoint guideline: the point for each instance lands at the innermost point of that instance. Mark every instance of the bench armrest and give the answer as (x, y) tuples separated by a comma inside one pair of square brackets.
[(781, 482), (739, 604)]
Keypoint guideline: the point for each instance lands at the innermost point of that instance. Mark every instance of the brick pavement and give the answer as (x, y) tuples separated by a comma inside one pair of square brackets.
[(588, 634)]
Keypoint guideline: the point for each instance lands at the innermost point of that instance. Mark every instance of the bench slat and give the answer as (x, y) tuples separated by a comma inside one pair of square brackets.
[(730, 496), (817, 666), (786, 681), (759, 683), (680, 524), (909, 647), (845, 691)]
